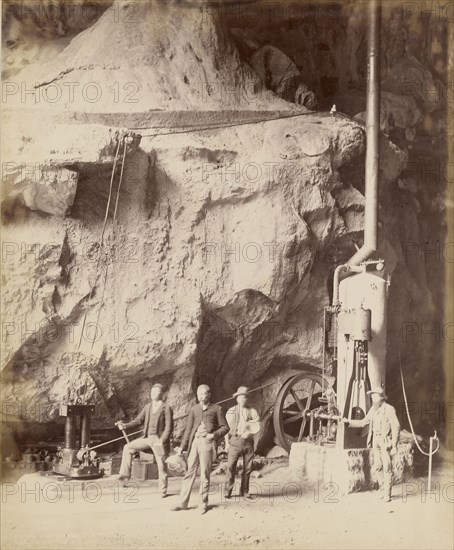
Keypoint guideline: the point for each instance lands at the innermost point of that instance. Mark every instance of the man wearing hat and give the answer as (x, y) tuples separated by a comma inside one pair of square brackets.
[(243, 422), (157, 420), (384, 431)]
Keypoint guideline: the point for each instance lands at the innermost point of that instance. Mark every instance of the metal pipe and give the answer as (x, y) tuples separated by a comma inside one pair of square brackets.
[(112, 440), (372, 136), (325, 416), (85, 429), (311, 424), (431, 452), (337, 272), (70, 431), (324, 352)]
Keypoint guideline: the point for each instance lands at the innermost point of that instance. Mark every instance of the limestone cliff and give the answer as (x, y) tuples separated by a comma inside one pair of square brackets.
[(231, 216)]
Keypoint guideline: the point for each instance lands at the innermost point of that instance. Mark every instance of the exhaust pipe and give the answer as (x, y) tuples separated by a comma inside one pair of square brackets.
[(372, 137), (372, 150)]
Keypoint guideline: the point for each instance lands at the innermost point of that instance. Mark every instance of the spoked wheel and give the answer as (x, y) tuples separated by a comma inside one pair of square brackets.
[(298, 395)]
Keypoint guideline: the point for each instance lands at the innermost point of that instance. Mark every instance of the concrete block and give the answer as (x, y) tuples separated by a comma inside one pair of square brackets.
[(350, 469)]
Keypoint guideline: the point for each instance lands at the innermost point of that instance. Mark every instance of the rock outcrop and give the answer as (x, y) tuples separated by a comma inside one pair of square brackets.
[(234, 208), (212, 246)]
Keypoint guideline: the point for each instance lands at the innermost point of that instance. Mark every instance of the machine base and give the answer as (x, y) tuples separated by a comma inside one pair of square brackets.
[(82, 472), (351, 470)]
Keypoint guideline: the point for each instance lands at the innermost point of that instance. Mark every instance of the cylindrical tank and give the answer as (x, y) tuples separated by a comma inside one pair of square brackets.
[(361, 324), (70, 431), (362, 291), (344, 322)]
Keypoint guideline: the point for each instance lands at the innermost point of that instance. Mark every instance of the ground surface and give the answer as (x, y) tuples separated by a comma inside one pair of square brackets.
[(44, 513)]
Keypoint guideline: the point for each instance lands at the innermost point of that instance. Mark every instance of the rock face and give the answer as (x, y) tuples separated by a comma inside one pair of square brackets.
[(154, 54), (51, 191), (35, 31), (211, 244), (217, 258)]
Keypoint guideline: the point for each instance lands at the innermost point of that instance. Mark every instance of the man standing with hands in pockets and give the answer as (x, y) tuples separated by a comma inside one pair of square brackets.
[(205, 428)]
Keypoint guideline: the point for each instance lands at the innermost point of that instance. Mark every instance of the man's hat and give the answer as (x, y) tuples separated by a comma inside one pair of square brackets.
[(176, 464), (157, 385), (379, 391), (242, 390)]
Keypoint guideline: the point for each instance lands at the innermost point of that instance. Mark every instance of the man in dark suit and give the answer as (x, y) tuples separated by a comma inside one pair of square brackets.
[(205, 428), (157, 420)]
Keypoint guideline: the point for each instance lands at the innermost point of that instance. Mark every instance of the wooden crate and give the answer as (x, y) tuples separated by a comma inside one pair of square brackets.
[(143, 470)]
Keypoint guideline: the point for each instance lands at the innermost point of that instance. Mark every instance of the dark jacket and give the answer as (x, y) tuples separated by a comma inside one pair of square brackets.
[(164, 427), (215, 424)]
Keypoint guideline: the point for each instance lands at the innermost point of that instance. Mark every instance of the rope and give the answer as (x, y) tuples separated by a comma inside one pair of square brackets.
[(409, 418), (236, 124), (229, 399), (101, 240), (113, 220), (100, 305), (259, 121), (121, 179)]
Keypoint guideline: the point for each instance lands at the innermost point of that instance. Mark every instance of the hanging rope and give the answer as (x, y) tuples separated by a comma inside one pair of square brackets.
[(121, 179), (409, 418), (101, 303), (101, 240)]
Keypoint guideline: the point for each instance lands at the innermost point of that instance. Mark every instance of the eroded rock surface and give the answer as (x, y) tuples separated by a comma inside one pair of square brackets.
[(220, 258)]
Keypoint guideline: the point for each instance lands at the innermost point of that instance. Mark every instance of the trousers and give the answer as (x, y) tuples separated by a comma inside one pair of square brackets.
[(383, 465), (201, 453), (145, 444), (239, 448)]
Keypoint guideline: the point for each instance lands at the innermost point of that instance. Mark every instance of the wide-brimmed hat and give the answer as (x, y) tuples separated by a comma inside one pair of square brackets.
[(242, 390), (176, 464), (379, 391)]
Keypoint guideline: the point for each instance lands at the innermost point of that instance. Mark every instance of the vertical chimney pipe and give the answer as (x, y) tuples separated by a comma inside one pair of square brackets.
[(372, 149), (372, 136)]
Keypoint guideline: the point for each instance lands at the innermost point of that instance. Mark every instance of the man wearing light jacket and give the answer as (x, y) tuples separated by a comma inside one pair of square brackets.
[(243, 422), (384, 429)]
